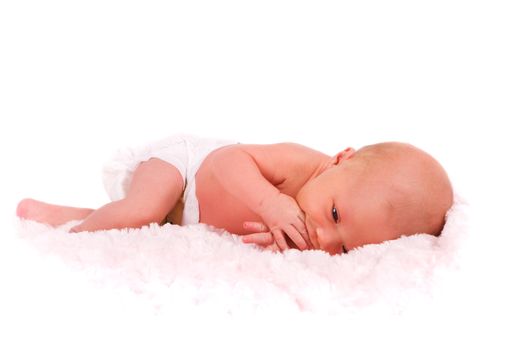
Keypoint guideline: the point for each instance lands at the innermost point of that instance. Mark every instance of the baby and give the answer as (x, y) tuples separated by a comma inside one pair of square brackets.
[(278, 196)]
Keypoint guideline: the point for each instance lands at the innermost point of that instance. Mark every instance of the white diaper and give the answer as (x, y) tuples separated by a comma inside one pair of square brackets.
[(185, 152)]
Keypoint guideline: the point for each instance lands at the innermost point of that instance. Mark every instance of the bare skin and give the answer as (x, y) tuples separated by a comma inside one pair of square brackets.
[(51, 214), (156, 188), (154, 191), (278, 196)]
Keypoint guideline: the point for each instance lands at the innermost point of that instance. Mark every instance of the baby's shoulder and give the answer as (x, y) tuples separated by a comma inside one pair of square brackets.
[(285, 152), (285, 159)]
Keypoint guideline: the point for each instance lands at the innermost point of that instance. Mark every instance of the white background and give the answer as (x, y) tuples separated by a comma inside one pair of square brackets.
[(80, 79)]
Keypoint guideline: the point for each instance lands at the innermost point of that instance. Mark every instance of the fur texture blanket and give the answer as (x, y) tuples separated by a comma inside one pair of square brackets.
[(398, 291)]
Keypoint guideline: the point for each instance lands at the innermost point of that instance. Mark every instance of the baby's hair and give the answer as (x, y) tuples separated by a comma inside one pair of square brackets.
[(418, 193), (381, 151)]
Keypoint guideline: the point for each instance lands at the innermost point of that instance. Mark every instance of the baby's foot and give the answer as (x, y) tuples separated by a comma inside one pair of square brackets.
[(41, 212)]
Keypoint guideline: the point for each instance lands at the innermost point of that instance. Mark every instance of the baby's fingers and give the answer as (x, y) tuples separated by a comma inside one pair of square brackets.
[(279, 238), (297, 237), (260, 238), (254, 226), (272, 247), (301, 228)]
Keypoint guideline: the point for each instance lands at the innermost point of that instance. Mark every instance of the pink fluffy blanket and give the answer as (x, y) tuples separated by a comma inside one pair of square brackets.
[(411, 283)]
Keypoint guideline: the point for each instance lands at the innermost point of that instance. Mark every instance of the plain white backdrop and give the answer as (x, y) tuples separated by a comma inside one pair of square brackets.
[(79, 79)]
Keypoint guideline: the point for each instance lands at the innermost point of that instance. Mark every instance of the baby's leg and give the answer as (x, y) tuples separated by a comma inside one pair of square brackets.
[(155, 188), (50, 213)]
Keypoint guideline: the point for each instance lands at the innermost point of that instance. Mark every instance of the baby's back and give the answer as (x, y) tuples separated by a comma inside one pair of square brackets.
[(286, 166)]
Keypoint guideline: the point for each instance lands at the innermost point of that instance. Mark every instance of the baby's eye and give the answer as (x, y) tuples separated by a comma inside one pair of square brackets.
[(334, 213)]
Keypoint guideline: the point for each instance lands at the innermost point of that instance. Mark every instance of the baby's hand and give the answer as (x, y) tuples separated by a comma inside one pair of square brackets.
[(282, 215), (261, 236)]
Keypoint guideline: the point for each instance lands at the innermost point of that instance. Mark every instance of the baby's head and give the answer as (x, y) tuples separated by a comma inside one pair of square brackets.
[(377, 193)]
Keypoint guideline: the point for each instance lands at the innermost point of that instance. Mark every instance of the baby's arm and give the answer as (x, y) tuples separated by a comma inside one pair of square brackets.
[(241, 175)]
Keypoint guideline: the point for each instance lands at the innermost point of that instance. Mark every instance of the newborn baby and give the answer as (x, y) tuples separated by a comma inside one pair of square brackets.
[(278, 196)]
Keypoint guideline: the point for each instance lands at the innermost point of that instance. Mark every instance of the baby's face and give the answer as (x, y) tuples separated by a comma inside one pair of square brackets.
[(343, 212)]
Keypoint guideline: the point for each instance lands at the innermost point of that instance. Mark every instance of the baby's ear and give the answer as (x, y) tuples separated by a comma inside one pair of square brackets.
[(344, 155)]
